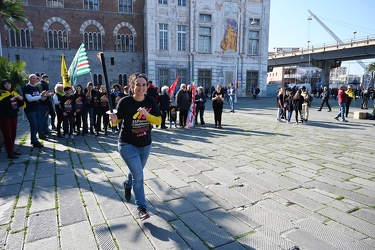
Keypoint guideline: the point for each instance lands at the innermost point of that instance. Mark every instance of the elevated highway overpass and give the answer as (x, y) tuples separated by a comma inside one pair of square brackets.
[(327, 56)]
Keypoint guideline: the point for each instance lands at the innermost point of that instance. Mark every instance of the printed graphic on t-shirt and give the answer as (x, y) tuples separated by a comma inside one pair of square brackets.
[(68, 106), (104, 101), (79, 102), (117, 99), (140, 125)]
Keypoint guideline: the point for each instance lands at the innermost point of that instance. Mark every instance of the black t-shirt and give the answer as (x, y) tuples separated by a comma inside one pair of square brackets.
[(136, 130)]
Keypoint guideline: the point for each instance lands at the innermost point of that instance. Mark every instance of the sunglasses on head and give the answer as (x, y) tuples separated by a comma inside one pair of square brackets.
[(142, 75)]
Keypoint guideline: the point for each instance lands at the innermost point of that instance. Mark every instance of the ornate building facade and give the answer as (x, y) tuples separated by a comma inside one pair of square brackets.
[(209, 42)]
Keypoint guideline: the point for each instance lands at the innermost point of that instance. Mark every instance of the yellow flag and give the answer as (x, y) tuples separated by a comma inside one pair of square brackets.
[(64, 72)]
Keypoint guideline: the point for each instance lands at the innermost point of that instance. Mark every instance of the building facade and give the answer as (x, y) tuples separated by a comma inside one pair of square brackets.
[(56, 27), (209, 42)]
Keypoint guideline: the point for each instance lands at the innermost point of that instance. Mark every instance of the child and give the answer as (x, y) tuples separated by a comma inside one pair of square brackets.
[(68, 109), (173, 114)]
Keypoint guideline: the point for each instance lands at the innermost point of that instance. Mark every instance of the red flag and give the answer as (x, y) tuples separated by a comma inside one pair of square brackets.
[(173, 86)]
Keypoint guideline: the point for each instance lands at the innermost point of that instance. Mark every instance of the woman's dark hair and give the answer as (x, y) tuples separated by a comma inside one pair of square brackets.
[(79, 85), (3, 85)]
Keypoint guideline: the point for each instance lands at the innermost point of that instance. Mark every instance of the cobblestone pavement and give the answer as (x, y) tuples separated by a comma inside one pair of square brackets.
[(255, 184)]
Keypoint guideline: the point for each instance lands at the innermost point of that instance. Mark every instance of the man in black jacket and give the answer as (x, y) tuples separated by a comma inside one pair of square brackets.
[(183, 103)]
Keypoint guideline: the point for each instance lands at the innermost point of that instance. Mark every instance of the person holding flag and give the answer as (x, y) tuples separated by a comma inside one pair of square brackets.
[(190, 121)]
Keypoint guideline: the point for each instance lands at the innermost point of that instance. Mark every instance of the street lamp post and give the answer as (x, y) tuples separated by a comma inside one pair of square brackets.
[(354, 32), (309, 69)]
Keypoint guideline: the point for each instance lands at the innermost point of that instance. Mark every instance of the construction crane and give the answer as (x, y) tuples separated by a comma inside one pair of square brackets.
[(333, 35)]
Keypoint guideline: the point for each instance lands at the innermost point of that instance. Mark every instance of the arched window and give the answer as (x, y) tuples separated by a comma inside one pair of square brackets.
[(122, 80), (92, 40), (125, 42), (57, 39), (20, 38), (100, 80)]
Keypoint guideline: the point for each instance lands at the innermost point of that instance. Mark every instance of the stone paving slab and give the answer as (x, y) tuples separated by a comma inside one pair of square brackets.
[(209, 232), (42, 225), (255, 184), (331, 235), (77, 234)]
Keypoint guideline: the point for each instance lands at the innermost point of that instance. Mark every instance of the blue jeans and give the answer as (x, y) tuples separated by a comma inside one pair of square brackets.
[(90, 113), (342, 111), (136, 159), (33, 118), (43, 119), (231, 102)]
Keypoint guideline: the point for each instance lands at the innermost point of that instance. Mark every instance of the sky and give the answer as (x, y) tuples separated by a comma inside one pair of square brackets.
[(290, 27)]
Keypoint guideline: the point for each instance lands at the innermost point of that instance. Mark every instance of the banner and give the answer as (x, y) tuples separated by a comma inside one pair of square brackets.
[(64, 72), (80, 65), (173, 87), (192, 109)]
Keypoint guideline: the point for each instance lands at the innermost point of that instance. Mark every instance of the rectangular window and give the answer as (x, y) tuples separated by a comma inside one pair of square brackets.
[(204, 39), (163, 36), (181, 38), (55, 3), (254, 22), (182, 3), (91, 4), (253, 43), (204, 78), (164, 77), (163, 1), (205, 18), (183, 77), (251, 82), (125, 6)]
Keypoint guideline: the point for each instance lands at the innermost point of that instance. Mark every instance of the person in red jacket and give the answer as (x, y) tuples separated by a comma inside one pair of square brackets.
[(10, 101), (342, 98)]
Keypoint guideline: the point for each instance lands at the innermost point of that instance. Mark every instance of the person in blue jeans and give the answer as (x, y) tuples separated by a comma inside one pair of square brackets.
[(342, 98), (32, 96), (138, 112), (232, 96)]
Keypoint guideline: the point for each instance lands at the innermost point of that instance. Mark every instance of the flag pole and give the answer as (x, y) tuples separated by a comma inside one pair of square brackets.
[(102, 59)]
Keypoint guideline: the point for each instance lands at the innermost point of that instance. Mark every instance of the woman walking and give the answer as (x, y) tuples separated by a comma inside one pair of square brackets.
[(138, 112)]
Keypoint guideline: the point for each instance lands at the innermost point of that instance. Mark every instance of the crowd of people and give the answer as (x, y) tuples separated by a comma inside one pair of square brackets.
[(68, 111), (299, 101)]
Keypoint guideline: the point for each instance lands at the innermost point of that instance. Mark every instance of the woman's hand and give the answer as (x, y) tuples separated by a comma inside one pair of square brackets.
[(113, 118), (143, 112)]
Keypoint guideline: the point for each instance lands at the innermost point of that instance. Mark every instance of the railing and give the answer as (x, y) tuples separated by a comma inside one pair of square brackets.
[(361, 41)]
